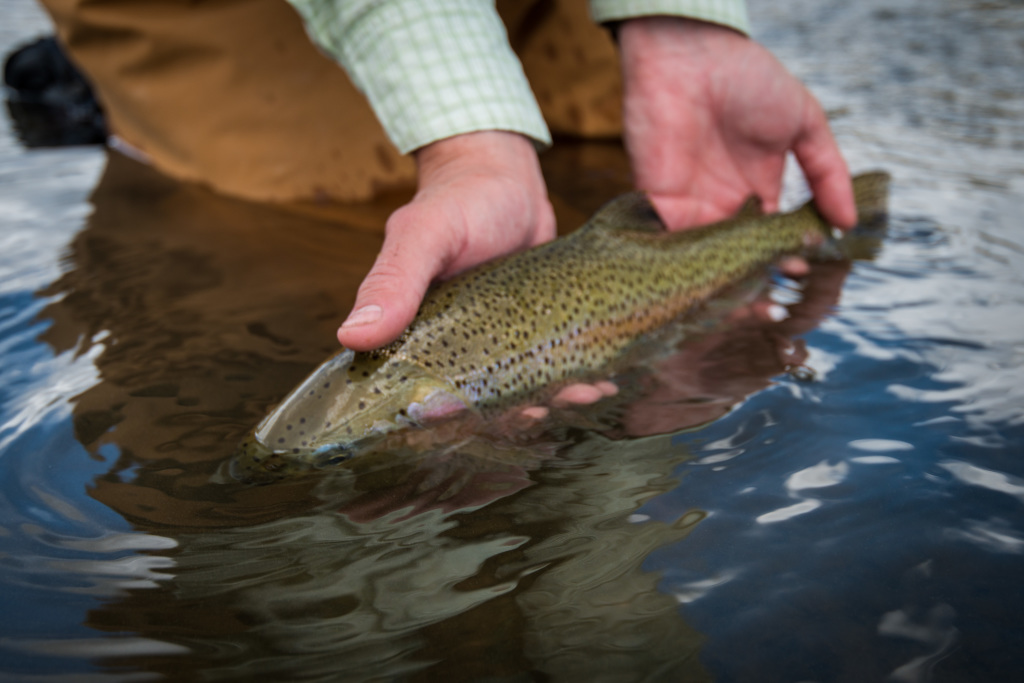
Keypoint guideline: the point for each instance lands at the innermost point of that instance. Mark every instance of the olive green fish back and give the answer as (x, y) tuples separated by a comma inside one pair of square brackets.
[(528, 321)]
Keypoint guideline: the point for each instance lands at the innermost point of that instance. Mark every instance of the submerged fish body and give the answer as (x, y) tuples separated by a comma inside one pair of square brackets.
[(518, 328)]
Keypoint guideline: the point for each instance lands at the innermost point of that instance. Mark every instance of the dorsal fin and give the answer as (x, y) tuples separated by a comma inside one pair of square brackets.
[(752, 208), (632, 211)]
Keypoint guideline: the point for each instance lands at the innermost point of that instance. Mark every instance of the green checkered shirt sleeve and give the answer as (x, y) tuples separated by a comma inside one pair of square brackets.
[(731, 13), (430, 70)]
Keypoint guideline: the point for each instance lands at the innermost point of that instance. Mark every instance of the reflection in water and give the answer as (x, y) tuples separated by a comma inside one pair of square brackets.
[(546, 578), (456, 565), (723, 520), (203, 308)]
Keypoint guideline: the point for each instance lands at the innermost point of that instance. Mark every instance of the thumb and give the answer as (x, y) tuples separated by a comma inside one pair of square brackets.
[(394, 288)]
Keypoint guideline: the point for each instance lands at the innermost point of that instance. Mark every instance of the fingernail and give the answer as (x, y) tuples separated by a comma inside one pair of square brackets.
[(364, 316), (777, 313)]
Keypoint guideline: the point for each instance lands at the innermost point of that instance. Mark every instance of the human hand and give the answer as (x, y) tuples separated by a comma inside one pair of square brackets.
[(709, 116), (481, 195)]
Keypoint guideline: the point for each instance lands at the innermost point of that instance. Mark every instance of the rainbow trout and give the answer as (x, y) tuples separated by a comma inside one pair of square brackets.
[(515, 330)]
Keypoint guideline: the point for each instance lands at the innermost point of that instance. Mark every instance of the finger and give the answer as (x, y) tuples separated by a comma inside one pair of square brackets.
[(393, 290), (577, 394), (584, 394), (535, 412), (794, 266), (825, 169), (759, 312)]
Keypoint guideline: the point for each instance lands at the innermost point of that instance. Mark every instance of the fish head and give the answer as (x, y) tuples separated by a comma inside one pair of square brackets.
[(346, 406)]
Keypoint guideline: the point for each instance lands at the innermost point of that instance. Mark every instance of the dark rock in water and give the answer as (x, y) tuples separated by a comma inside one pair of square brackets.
[(50, 101)]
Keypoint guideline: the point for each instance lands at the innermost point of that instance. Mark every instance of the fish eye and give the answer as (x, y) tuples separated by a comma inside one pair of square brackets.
[(331, 454)]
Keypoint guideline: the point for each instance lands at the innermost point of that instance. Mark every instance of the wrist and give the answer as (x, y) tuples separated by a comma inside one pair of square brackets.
[(652, 35), (674, 27), (732, 13), (488, 152)]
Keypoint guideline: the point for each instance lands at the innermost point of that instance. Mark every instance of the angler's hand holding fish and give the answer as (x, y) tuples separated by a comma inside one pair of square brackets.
[(481, 195), (709, 116)]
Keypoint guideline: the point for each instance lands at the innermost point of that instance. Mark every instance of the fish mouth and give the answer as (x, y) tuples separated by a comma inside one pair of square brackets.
[(255, 463)]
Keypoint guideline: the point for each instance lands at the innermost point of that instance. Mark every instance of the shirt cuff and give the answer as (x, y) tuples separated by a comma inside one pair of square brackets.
[(731, 13), (430, 70)]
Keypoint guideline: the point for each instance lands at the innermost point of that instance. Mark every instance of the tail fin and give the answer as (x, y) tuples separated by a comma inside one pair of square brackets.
[(871, 194)]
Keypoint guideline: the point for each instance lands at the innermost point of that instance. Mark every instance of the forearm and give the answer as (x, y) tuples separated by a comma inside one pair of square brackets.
[(431, 70)]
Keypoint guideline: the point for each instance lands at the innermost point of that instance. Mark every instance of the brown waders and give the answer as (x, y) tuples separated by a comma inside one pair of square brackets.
[(234, 95)]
